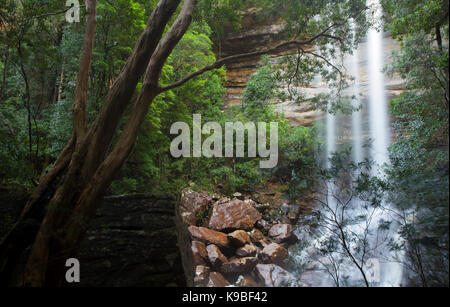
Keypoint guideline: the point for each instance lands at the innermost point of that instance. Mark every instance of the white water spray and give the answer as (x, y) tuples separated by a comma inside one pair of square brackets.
[(379, 122), (390, 273), (357, 135)]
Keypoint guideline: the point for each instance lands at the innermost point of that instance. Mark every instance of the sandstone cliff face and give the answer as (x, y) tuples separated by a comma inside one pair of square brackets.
[(256, 34)]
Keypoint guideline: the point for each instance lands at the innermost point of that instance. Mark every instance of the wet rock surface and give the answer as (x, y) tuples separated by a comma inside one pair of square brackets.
[(132, 242), (256, 236), (239, 254), (239, 265), (246, 281), (194, 205)]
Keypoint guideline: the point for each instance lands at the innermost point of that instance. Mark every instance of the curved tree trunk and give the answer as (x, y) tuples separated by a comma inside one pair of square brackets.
[(56, 217)]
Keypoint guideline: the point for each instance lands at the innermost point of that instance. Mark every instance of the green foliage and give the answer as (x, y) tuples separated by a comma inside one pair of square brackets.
[(49, 50), (297, 160), (218, 14), (418, 178), (407, 17), (260, 88)]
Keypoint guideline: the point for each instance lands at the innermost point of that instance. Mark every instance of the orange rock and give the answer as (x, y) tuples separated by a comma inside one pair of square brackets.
[(199, 252), (235, 214), (192, 203), (209, 236), (274, 253)]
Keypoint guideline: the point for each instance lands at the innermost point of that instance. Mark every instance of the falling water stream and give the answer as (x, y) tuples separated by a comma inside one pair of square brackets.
[(375, 112)]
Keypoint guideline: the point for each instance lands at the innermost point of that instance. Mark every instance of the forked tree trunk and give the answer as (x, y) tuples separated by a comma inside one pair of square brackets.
[(56, 217)]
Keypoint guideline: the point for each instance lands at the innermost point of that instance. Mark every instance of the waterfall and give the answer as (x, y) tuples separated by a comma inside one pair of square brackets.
[(331, 135), (375, 112), (379, 122), (357, 136), (390, 272)]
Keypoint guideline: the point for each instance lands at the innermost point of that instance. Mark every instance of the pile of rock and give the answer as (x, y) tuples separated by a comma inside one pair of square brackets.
[(224, 243)]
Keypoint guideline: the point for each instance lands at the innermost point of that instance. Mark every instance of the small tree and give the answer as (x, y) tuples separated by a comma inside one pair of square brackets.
[(348, 229)]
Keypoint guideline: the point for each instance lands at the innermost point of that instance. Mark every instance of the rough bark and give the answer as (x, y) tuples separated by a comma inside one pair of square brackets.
[(81, 90)]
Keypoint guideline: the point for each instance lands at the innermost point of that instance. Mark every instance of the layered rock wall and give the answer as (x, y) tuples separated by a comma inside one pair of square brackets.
[(259, 34), (132, 242)]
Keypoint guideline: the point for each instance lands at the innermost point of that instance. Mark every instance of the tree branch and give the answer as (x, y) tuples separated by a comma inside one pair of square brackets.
[(219, 63), (51, 14), (293, 43)]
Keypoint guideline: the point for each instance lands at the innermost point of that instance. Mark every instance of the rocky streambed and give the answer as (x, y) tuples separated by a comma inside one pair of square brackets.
[(234, 242)]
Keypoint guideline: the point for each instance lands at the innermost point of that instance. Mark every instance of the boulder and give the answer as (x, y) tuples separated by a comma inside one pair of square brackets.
[(274, 276), (201, 277), (247, 250), (235, 214), (209, 236), (215, 256), (246, 281), (256, 236), (273, 253), (281, 233), (239, 265), (239, 238), (192, 203), (199, 252), (217, 280)]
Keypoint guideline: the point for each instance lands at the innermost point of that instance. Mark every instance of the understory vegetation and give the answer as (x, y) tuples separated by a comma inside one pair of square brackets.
[(38, 89)]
